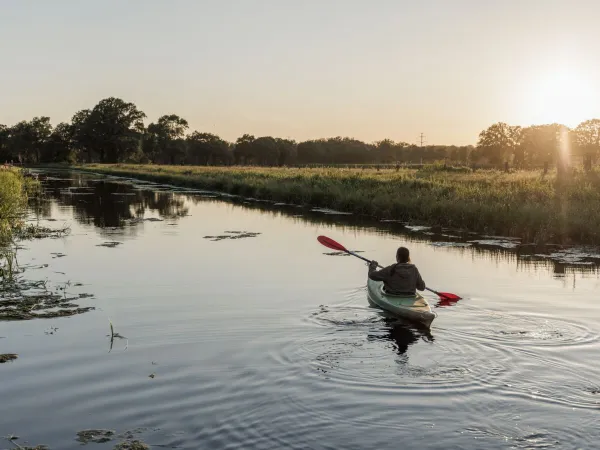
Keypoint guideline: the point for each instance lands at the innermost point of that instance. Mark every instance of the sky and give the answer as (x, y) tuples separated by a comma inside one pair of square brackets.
[(304, 69)]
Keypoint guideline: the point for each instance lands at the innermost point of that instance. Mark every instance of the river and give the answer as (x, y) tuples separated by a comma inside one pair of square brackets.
[(235, 329)]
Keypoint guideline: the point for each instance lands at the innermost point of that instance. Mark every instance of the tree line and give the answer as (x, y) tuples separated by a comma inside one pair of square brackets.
[(114, 131)]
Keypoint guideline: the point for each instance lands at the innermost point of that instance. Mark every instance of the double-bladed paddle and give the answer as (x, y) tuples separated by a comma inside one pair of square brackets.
[(330, 243)]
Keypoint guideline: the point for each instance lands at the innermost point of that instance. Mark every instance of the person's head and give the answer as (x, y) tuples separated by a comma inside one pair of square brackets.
[(403, 255)]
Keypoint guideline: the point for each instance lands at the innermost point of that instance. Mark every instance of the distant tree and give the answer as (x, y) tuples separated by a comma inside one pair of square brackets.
[(112, 129), (207, 148), (388, 151), (498, 141), (310, 151), (28, 138), (286, 151), (164, 139), (242, 150), (587, 137), (4, 144), (545, 144), (60, 145), (83, 134)]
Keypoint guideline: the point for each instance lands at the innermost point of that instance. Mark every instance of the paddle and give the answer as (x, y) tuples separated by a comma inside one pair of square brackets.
[(330, 243)]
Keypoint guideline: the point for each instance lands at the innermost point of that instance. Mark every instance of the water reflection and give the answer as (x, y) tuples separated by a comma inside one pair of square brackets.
[(401, 334), (112, 202), (106, 203)]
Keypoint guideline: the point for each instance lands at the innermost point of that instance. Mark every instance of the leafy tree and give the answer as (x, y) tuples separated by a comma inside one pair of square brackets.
[(242, 151), (28, 138), (587, 137), (207, 148), (4, 144), (112, 129), (83, 133), (164, 140), (60, 146), (286, 151), (542, 143), (498, 141)]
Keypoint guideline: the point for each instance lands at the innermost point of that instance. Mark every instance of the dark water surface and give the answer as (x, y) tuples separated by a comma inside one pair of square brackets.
[(257, 339)]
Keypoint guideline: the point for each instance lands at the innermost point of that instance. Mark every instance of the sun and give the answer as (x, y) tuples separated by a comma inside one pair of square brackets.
[(562, 96)]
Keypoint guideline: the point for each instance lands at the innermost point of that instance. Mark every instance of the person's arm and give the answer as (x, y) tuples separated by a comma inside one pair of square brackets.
[(379, 275), (420, 282)]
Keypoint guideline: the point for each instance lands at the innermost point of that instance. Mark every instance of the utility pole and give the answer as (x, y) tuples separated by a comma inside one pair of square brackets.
[(422, 136), (421, 140)]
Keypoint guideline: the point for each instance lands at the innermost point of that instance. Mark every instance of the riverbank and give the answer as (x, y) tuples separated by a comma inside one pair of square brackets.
[(15, 190), (522, 204)]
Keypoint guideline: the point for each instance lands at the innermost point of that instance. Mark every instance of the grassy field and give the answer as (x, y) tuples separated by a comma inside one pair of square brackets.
[(524, 204)]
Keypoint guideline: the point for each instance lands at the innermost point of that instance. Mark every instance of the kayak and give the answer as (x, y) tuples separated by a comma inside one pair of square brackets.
[(414, 307)]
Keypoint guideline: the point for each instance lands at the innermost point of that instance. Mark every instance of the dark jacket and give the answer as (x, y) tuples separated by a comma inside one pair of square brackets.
[(399, 279)]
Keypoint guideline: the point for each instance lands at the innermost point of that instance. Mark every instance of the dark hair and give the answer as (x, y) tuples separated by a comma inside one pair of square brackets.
[(402, 255)]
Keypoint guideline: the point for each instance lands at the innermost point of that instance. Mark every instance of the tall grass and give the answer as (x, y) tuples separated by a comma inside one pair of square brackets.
[(14, 192), (525, 204)]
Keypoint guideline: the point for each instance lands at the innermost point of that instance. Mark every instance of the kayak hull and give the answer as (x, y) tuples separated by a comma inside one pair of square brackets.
[(414, 308)]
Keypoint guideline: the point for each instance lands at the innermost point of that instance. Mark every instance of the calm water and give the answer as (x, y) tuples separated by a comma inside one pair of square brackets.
[(266, 342)]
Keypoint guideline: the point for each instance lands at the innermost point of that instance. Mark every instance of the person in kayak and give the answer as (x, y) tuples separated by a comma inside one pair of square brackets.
[(402, 278)]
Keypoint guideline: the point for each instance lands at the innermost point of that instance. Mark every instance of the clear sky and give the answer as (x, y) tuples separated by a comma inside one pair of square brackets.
[(369, 69)]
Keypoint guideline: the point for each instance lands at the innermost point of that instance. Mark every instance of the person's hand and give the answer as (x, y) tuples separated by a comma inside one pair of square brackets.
[(373, 264)]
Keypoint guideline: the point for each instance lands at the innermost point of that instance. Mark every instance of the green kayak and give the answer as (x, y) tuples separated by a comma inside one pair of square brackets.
[(414, 308)]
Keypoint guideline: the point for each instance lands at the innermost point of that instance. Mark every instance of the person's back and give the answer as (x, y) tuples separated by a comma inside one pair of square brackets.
[(402, 278)]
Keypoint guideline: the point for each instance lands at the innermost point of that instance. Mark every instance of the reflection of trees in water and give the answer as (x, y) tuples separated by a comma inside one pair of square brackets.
[(106, 203), (113, 204)]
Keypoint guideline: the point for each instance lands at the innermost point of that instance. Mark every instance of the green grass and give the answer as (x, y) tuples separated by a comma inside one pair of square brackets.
[(524, 204)]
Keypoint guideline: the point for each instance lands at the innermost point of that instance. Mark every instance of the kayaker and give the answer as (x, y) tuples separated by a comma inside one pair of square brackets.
[(402, 278)]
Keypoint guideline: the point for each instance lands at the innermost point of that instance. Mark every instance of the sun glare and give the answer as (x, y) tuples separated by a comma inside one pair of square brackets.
[(563, 97)]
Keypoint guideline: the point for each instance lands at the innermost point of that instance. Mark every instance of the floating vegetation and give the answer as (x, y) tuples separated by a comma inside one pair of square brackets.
[(95, 436), (6, 357), (232, 235), (417, 227), (149, 219), (31, 231), (12, 438), (109, 244), (503, 242), (58, 255), (132, 445), (331, 211), (451, 244), (26, 300), (114, 336)]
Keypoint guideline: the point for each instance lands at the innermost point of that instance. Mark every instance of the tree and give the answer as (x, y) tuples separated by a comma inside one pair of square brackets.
[(498, 141), (165, 139), (207, 148), (587, 137), (83, 133), (27, 139), (542, 144), (242, 150), (60, 146), (4, 144), (112, 129)]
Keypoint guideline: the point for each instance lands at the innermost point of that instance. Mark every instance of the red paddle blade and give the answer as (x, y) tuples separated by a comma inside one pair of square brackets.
[(330, 243), (448, 296)]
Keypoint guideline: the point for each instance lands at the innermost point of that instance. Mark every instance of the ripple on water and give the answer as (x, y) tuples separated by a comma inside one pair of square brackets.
[(538, 347)]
